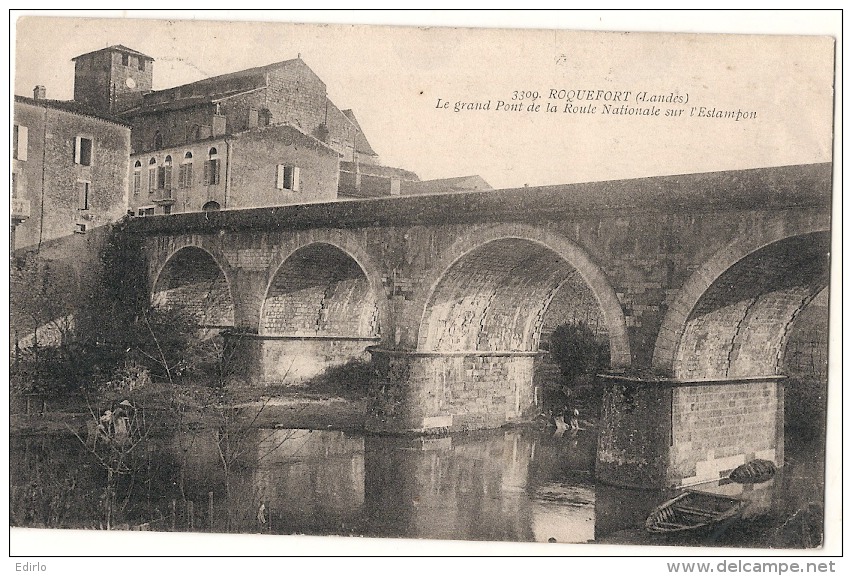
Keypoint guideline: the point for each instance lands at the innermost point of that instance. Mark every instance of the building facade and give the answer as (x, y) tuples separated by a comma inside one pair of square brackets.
[(69, 169), (260, 167)]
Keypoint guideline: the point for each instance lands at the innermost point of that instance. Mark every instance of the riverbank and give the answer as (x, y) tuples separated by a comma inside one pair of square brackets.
[(199, 406)]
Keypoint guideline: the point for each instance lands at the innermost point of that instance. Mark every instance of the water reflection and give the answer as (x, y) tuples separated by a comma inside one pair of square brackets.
[(510, 485)]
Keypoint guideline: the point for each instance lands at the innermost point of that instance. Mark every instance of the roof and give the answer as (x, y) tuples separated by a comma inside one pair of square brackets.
[(256, 71), (376, 170), (441, 185), (362, 145), (259, 130), (73, 107), (207, 90), (235, 136), (117, 48), (181, 103)]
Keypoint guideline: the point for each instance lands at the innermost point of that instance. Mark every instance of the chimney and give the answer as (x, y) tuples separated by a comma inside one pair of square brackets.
[(39, 93)]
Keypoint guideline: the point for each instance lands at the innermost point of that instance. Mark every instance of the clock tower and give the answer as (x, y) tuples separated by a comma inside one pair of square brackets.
[(113, 79)]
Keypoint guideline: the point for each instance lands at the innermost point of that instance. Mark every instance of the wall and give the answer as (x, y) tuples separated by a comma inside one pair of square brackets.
[(48, 178), (294, 360), (297, 96), (55, 293), (181, 199), (255, 155), (715, 428), (183, 126), (100, 80), (439, 393)]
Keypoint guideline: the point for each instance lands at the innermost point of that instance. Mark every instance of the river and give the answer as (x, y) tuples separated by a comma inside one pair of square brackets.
[(502, 485)]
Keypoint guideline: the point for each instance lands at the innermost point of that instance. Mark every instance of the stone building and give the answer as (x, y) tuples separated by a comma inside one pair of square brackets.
[(280, 112), (69, 169), (113, 79), (268, 166)]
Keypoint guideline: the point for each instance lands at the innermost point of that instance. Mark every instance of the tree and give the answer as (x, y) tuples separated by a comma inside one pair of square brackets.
[(578, 352)]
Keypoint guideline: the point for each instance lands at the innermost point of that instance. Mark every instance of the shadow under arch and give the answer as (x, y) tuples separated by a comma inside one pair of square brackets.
[(315, 289), (747, 273), (193, 279), (519, 268), (322, 308)]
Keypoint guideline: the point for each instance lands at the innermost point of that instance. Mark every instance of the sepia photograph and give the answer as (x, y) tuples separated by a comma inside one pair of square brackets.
[(564, 288)]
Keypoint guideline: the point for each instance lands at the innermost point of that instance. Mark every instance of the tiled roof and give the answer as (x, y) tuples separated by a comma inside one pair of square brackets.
[(117, 48), (71, 106), (207, 89), (377, 170), (181, 103), (441, 185)]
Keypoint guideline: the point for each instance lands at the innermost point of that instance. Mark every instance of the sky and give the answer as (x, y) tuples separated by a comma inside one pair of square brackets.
[(397, 79)]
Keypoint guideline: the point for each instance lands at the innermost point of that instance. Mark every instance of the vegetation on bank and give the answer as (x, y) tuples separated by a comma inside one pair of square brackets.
[(580, 356)]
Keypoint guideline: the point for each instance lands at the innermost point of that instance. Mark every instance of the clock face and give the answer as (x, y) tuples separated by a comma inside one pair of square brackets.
[(130, 82)]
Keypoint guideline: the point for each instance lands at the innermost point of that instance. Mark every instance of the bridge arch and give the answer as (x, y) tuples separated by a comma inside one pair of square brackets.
[(320, 288), (732, 316), (192, 280), (321, 309), (491, 289)]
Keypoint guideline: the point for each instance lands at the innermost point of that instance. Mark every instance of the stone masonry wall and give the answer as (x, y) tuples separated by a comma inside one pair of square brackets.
[(49, 179), (476, 306), (320, 291), (715, 428), (442, 393)]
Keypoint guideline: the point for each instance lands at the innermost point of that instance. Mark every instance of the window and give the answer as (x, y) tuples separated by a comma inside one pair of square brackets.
[(83, 151), (264, 117), (137, 178), (152, 175), (142, 64), (19, 142), (14, 185), (185, 172), (158, 140), (211, 168), (167, 209), (164, 180), (287, 178), (125, 60), (81, 229), (83, 194)]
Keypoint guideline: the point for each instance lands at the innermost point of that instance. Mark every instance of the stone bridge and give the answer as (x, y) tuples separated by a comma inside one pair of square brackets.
[(695, 277)]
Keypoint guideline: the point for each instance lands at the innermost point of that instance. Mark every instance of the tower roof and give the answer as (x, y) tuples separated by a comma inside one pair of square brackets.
[(116, 48)]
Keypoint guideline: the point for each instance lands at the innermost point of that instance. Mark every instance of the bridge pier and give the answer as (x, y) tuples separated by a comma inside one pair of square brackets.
[(269, 360), (434, 392), (658, 434)]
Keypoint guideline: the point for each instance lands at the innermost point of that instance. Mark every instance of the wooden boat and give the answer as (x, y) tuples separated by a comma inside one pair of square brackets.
[(692, 510), (753, 472)]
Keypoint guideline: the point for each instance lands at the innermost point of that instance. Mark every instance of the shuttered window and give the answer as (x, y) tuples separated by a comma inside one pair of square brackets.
[(287, 177), (185, 176), (19, 142), (83, 194), (211, 172), (83, 151)]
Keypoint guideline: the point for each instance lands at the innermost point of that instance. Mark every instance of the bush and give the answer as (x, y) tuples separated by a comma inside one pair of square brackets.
[(578, 352)]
